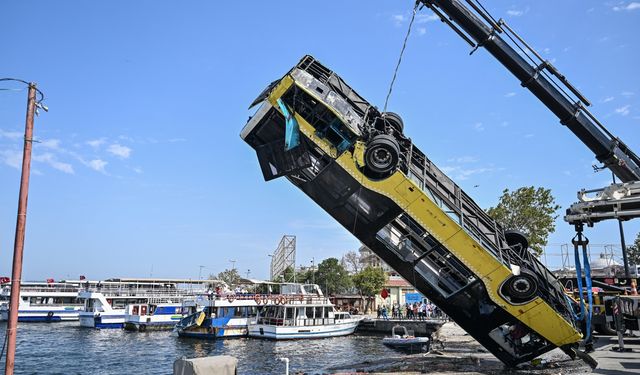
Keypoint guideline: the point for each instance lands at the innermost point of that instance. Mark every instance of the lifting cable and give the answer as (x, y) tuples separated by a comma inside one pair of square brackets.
[(404, 45)]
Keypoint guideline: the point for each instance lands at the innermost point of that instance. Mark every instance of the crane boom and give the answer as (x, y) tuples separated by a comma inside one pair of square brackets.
[(479, 29)]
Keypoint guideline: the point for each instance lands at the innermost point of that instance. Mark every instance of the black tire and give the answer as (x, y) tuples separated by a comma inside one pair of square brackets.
[(521, 288), (381, 156), (515, 238), (394, 120)]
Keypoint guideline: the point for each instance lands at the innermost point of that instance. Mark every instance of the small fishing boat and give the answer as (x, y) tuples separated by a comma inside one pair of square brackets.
[(401, 340), (301, 314), (152, 316)]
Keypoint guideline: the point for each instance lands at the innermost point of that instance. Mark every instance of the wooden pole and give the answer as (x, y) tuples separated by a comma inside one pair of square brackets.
[(18, 248)]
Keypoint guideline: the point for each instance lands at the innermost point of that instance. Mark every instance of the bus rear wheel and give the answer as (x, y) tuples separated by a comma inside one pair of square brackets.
[(381, 156)]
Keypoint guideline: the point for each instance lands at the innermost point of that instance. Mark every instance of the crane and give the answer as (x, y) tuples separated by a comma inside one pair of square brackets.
[(471, 21)]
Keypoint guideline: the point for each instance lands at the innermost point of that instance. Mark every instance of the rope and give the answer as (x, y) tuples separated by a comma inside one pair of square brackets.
[(404, 45)]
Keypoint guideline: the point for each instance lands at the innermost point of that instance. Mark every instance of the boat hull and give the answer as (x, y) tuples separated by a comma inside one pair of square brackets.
[(44, 315), (150, 326), (102, 321), (301, 332)]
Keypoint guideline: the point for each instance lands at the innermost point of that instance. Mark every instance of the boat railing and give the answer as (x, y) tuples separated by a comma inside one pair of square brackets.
[(290, 322), (144, 293), (48, 289)]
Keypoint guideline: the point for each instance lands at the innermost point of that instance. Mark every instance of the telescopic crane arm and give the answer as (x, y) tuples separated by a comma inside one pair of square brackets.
[(477, 27)]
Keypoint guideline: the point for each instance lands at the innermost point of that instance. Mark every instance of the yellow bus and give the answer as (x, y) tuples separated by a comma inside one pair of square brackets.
[(357, 164)]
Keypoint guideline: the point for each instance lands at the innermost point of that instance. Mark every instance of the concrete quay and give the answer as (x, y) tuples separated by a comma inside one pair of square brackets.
[(419, 327), (455, 352)]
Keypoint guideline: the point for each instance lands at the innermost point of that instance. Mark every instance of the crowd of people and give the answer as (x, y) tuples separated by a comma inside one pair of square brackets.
[(416, 311)]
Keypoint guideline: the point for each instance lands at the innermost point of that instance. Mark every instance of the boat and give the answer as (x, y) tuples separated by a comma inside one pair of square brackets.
[(401, 340), (152, 316), (212, 317), (104, 305), (307, 313), (43, 301), (225, 313)]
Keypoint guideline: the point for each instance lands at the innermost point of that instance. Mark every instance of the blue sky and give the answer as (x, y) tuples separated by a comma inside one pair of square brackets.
[(140, 169)]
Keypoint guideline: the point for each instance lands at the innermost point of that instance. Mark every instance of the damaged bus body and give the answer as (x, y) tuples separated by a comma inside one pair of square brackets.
[(356, 163)]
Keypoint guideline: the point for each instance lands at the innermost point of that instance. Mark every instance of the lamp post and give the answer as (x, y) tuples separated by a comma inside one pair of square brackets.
[(233, 264), (313, 270)]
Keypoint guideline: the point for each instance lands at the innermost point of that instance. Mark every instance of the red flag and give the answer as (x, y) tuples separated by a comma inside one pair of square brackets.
[(50, 281), (384, 294)]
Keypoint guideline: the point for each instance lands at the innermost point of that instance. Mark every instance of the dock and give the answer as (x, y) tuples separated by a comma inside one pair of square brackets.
[(419, 327)]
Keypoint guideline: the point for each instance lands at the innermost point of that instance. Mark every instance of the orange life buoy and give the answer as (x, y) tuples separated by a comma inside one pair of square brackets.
[(283, 300), (265, 300)]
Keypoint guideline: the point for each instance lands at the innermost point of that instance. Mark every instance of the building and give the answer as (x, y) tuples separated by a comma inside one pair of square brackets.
[(369, 258), (398, 288)]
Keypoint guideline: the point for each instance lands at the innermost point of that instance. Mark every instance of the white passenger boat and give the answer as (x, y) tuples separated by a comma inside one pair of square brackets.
[(104, 305), (43, 301), (152, 316), (302, 315)]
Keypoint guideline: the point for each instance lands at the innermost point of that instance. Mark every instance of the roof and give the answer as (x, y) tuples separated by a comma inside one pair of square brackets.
[(398, 282)]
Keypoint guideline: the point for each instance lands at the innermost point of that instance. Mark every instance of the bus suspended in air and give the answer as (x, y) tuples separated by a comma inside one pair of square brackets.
[(357, 164)]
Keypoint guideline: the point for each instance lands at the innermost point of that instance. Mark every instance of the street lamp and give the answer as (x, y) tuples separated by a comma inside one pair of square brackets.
[(233, 264)]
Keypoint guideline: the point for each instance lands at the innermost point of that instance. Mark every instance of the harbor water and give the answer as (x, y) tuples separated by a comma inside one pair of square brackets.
[(65, 348)]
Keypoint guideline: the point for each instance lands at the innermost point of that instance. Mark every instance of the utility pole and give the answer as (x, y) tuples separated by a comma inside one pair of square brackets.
[(233, 264), (200, 272), (18, 248)]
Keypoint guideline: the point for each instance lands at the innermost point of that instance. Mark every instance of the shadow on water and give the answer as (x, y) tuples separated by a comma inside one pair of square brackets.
[(65, 348)]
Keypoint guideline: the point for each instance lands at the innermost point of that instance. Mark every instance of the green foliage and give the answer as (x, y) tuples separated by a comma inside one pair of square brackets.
[(231, 277), (370, 281), (332, 277), (289, 274), (529, 210), (633, 251)]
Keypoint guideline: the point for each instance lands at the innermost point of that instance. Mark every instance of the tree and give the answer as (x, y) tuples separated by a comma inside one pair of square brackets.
[(332, 277), (231, 277), (369, 282), (289, 274), (529, 210), (352, 262), (633, 251)]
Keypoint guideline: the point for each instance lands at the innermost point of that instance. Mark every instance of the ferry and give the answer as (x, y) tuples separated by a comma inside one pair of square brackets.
[(43, 301), (152, 316), (304, 315), (104, 305)]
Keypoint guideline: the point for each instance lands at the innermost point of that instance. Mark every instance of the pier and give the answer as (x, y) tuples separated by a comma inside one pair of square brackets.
[(419, 327)]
